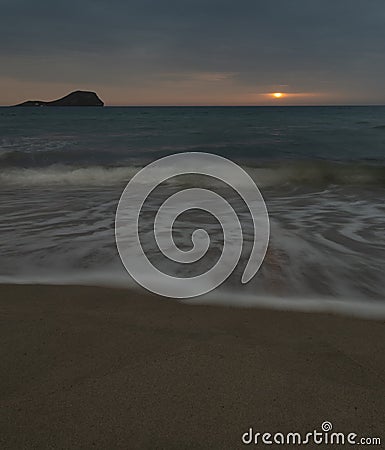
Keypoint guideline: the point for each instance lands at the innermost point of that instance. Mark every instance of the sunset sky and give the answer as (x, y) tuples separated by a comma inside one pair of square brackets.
[(194, 52)]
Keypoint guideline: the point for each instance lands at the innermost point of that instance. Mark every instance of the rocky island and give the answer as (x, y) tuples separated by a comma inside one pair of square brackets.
[(77, 98)]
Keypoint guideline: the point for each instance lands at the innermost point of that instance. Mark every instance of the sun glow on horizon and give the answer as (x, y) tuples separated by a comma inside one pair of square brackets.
[(277, 94)]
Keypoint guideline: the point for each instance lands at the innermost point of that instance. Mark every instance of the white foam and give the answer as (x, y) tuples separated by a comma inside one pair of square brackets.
[(56, 175), (355, 307), (349, 306)]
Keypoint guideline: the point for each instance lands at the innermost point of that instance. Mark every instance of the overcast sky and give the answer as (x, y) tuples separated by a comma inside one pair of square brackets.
[(151, 52)]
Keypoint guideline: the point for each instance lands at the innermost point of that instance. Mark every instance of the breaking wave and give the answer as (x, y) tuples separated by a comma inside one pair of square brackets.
[(314, 173)]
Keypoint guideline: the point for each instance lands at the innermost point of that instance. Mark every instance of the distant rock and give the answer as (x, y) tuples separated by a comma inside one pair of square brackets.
[(77, 98)]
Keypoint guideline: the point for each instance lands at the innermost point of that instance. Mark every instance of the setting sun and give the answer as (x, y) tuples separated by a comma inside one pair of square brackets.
[(277, 95)]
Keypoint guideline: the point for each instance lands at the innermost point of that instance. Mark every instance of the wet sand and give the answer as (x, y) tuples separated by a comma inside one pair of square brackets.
[(86, 367)]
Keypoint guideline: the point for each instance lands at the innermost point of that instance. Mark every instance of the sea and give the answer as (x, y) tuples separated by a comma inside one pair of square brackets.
[(321, 171)]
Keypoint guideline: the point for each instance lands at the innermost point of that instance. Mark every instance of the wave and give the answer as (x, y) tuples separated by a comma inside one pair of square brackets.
[(71, 176), (322, 173), (314, 173)]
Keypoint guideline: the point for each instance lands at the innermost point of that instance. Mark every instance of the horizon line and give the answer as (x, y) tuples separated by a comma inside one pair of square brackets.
[(241, 106), (209, 106)]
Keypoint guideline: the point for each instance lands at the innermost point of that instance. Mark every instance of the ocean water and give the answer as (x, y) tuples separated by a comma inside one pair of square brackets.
[(321, 171)]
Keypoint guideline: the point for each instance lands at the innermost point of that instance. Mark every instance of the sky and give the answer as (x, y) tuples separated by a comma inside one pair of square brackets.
[(194, 52)]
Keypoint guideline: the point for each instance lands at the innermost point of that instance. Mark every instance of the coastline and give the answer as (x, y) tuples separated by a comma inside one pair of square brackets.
[(110, 368)]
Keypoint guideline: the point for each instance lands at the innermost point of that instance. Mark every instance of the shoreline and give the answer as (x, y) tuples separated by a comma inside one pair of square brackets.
[(354, 308), (111, 368)]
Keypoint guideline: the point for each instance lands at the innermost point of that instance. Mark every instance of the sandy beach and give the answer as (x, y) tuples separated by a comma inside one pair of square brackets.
[(86, 367)]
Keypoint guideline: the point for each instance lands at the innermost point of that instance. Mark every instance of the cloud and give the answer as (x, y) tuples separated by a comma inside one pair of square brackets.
[(330, 46)]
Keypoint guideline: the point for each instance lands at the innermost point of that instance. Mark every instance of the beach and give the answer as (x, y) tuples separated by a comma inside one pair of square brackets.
[(92, 367), (192, 224), (88, 362)]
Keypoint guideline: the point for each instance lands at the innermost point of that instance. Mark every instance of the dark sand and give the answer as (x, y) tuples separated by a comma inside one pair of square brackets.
[(106, 368)]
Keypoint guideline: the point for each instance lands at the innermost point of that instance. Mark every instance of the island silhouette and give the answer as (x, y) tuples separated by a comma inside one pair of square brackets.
[(76, 98)]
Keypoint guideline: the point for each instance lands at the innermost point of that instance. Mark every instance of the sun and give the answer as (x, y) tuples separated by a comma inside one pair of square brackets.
[(277, 95)]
